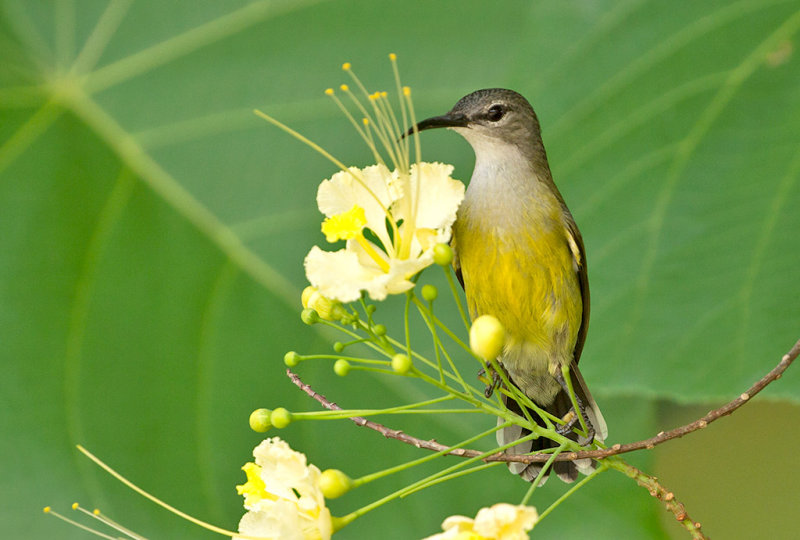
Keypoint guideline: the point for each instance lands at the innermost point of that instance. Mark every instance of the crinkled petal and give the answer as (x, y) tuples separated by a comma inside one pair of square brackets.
[(284, 470), (456, 528), (281, 520), (342, 191), (339, 274), (506, 521), (396, 280), (439, 195)]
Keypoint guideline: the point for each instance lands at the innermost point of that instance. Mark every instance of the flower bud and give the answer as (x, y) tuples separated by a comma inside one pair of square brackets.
[(338, 346), (291, 359), (309, 316), (430, 293), (379, 329), (442, 254), (306, 296), (341, 367), (334, 483), (260, 420), (401, 364), (280, 418), (329, 310), (487, 337)]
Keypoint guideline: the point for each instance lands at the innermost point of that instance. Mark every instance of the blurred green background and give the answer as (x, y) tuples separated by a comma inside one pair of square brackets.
[(152, 233)]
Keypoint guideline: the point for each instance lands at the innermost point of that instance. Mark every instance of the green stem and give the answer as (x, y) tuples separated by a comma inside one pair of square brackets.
[(573, 398), (455, 475), (449, 274), (542, 472), (600, 468), (304, 357), (345, 520), (428, 316), (386, 472)]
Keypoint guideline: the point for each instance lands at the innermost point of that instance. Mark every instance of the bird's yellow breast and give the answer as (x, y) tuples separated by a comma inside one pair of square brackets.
[(517, 265)]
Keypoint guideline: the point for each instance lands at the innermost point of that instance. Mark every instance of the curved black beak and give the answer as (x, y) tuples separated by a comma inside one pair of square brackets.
[(445, 121)]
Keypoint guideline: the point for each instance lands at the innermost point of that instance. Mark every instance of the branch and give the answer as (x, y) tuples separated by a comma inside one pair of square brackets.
[(651, 484), (648, 444)]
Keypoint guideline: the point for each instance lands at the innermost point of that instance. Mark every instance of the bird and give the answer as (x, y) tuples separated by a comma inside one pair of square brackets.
[(520, 257)]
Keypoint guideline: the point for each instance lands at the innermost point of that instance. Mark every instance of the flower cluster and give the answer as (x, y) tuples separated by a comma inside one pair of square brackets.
[(282, 495), (391, 221)]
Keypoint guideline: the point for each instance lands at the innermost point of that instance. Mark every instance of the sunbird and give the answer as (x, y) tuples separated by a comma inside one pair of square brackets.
[(520, 257)]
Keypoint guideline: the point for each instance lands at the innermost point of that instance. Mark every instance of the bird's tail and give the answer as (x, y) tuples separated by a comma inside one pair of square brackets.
[(561, 405)]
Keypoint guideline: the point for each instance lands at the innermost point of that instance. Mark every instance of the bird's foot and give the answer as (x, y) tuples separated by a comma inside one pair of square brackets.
[(571, 418), (491, 385)]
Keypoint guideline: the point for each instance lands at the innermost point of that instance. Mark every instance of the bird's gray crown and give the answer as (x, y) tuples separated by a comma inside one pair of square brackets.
[(499, 111)]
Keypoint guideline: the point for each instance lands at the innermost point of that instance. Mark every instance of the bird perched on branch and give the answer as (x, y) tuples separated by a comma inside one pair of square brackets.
[(519, 256)]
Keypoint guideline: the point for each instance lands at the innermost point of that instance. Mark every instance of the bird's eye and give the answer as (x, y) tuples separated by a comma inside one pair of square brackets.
[(495, 113)]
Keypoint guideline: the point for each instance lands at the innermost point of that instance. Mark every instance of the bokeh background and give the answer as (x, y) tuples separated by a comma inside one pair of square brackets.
[(152, 232)]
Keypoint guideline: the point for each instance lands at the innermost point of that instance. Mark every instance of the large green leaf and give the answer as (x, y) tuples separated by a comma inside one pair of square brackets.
[(153, 229)]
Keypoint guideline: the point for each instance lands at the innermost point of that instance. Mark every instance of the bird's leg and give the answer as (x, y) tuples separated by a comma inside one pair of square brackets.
[(495, 383), (572, 417)]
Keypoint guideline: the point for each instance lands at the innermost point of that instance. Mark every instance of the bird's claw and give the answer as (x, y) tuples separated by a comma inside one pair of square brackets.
[(496, 381)]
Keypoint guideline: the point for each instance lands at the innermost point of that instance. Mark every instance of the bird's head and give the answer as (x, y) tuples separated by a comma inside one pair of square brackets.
[(494, 116)]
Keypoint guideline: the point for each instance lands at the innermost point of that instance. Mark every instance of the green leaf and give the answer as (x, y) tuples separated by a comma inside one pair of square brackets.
[(153, 228)]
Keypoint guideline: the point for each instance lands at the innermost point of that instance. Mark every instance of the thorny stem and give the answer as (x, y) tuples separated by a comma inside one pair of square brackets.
[(652, 485)]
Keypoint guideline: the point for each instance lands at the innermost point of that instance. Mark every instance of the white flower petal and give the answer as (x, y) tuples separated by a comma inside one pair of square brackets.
[(281, 520), (338, 274), (343, 190), (439, 195), (505, 521)]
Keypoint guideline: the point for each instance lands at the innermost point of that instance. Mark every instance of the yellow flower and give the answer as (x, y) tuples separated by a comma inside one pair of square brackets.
[(499, 522), (282, 495), (406, 214), (391, 217)]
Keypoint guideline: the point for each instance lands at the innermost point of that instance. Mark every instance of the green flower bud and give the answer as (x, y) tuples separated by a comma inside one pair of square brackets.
[(429, 292), (341, 367), (260, 420), (371, 309), (309, 316), (442, 254), (291, 359), (487, 337), (334, 483), (401, 363), (329, 310), (338, 346), (280, 418), (379, 329)]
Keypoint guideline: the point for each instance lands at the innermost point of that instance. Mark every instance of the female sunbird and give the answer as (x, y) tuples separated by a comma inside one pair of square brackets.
[(520, 257)]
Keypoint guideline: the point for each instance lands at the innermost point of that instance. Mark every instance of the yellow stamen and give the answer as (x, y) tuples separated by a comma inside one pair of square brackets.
[(346, 66), (403, 113), (153, 498), (345, 88), (50, 511), (327, 155), (374, 255), (329, 91), (344, 226)]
